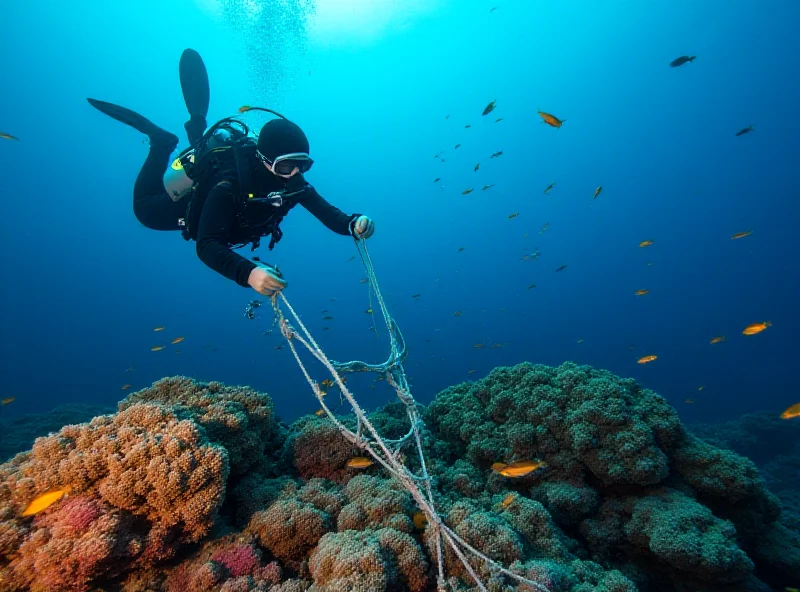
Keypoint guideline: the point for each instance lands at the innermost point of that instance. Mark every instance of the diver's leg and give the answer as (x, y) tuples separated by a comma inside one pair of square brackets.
[(152, 205), (136, 121), (196, 94)]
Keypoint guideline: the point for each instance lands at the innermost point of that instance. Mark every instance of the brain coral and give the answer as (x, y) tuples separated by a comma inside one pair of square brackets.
[(368, 561)]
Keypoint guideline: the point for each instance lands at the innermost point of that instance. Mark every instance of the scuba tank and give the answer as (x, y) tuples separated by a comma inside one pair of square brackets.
[(182, 173)]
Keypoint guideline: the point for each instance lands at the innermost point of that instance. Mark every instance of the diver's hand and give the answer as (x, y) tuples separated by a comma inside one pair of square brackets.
[(266, 280), (363, 227)]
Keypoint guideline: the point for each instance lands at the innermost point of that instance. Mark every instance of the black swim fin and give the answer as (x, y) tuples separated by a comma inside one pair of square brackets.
[(196, 93), (157, 135)]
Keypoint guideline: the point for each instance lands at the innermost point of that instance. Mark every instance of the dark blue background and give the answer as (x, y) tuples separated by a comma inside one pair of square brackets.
[(84, 284)]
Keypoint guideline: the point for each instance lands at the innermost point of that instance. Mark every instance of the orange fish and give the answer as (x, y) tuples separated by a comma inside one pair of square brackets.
[(645, 243), (8, 400), (641, 292), (420, 521), (244, 108), (45, 500), (741, 234), (792, 412), (359, 462), (551, 120), (718, 339), (646, 359), (177, 340), (756, 328), (507, 500), (519, 468), (319, 412)]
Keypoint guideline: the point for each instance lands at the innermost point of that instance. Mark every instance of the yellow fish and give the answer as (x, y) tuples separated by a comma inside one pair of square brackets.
[(157, 348), (791, 412), (717, 339), (597, 191), (756, 328), (645, 243), (420, 520), (551, 120), (368, 311), (646, 359), (177, 340), (642, 292), (519, 468), (8, 400), (158, 329), (319, 412), (45, 500), (741, 234), (359, 462)]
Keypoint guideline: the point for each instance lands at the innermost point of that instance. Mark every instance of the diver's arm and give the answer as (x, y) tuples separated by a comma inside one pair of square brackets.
[(329, 215), (213, 236)]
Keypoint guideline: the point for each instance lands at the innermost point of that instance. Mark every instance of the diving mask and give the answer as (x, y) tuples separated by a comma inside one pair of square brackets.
[(286, 163)]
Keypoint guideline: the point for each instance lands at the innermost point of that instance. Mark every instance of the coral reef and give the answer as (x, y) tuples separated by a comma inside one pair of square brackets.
[(195, 486)]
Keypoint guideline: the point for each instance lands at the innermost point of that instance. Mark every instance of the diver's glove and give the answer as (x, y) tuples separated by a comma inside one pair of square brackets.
[(266, 279), (363, 227)]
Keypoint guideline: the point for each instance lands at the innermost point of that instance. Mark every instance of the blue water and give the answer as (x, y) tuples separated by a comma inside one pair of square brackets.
[(84, 284)]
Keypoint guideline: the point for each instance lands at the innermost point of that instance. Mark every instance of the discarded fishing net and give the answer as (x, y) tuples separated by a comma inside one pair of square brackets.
[(365, 437)]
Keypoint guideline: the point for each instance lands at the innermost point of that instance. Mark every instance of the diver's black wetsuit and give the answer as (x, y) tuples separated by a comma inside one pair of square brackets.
[(219, 227)]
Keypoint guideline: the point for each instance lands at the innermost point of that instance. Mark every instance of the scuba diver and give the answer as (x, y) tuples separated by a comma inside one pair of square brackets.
[(228, 189)]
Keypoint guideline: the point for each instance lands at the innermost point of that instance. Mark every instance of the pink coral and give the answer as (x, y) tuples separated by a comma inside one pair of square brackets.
[(57, 556), (239, 560)]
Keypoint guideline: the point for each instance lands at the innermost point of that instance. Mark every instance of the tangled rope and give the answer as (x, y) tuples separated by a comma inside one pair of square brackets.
[(365, 437)]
